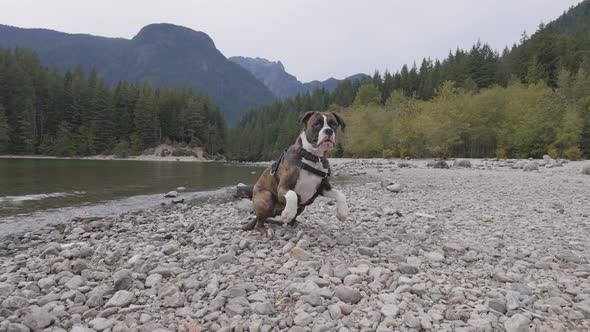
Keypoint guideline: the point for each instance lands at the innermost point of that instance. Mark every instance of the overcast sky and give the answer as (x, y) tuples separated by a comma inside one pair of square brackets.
[(315, 39)]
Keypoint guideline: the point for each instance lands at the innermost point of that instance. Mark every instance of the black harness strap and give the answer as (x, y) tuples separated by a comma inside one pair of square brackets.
[(304, 166), (274, 168)]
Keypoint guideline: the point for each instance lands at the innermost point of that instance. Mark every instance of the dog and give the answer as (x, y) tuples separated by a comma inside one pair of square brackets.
[(300, 175)]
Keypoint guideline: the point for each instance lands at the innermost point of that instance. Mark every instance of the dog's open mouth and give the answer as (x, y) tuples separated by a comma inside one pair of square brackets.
[(327, 142)]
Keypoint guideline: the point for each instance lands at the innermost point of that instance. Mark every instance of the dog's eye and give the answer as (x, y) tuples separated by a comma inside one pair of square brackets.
[(332, 124), (318, 124)]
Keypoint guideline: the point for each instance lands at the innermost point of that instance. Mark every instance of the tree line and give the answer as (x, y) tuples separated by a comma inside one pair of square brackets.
[(531, 100), (76, 114)]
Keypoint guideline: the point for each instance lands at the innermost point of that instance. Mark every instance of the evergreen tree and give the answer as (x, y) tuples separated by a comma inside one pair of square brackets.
[(146, 116), (3, 131)]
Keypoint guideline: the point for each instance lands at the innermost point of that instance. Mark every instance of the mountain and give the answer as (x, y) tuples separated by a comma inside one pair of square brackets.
[(282, 84), (166, 55)]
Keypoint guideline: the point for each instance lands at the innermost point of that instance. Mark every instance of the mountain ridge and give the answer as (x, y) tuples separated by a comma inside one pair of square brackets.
[(164, 54), (281, 83)]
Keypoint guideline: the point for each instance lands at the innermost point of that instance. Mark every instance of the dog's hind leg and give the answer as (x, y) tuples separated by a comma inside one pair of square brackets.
[(264, 209), (268, 232)]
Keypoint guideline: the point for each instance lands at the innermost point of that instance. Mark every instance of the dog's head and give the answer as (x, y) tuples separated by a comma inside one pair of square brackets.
[(320, 129)]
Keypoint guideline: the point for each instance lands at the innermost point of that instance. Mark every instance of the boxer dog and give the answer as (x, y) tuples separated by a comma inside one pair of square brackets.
[(299, 175)]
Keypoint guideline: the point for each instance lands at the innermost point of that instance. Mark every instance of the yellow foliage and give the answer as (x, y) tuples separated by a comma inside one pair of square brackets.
[(387, 153), (501, 153)]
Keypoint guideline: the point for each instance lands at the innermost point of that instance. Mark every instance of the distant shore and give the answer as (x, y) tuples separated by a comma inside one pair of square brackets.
[(112, 157)]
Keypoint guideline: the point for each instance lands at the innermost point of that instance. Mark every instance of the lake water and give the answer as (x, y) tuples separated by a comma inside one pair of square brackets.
[(32, 186)]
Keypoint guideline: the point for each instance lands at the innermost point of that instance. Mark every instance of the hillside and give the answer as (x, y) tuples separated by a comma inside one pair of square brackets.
[(163, 54), (280, 82)]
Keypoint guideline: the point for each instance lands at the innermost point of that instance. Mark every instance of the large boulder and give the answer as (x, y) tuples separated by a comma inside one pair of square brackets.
[(586, 169), (519, 164), (438, 164), (462, 163), (530, 166)]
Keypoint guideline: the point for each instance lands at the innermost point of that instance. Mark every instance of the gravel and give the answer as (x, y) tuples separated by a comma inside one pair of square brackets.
[(480, 248)]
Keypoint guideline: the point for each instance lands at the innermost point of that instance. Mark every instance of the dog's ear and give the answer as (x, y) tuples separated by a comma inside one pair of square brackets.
[(340, 121), (306, 117)]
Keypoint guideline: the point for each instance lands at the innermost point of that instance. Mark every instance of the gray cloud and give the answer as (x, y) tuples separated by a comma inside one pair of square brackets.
[(313, 39)]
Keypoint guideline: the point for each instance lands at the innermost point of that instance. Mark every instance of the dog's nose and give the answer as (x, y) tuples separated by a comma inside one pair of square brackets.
[(328, 131)]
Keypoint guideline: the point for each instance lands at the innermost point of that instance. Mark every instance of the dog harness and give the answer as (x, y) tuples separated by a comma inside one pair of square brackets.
[(300, 164)]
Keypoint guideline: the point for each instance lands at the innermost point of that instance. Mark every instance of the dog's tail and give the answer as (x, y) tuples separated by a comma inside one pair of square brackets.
[(244, 191)]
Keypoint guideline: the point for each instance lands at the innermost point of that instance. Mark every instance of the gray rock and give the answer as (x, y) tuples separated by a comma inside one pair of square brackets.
[(498, 304), (86, 251), (557, 301), (153, 279), (245, 205), (584, 308), (347, 294), (434, 256), (171, 194), (224, 259), (313, 299), (123, 279), (302, 319), (101, 324), (335, 312), (512, 301), (390, 309), (300, 254), (341, 271), (522, 289), (367, 251), (80, 328), (517, 323), (121, 298), (170, 248), (352, 279), (394, 188), (50, 251), (75, 283), (407, 268), (15, 327), (586, 169), (481, 324), (410, 320), (264, 308), (95, 301), (175, 300), (304, 288), (46, 283), (462, 163), (530, 166), (438, 164), (15, 302), (451, 248), (38, 318)]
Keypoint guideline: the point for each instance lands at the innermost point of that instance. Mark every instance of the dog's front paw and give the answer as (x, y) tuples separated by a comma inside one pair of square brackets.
[(287, 216), (342, 212)]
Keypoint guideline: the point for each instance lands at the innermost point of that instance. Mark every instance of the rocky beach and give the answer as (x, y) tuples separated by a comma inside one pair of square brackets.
[(470, 245)]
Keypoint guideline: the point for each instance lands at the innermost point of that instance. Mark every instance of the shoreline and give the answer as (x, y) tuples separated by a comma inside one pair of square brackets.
[(111, 157), (483, 248)]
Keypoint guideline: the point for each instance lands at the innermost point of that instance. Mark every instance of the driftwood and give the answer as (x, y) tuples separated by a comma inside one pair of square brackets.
[(244, 191)]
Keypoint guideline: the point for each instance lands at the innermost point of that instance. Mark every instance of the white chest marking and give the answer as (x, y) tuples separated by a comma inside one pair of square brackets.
[(307, 183)]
